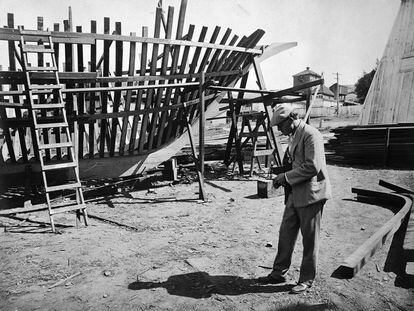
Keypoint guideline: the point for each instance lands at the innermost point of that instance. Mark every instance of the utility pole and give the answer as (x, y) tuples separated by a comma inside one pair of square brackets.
[(337, 92)]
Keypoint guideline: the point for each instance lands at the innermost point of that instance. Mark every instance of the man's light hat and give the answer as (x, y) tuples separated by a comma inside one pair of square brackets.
[(281, 113)]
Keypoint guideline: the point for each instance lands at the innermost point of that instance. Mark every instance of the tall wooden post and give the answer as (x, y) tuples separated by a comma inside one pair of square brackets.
[(201, 134)]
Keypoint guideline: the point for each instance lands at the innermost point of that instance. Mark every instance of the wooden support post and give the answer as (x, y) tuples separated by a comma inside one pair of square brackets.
[(92, 96), (193, 149), (202, 122)]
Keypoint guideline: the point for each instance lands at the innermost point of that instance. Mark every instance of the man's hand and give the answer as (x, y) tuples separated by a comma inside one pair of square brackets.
[(280, 180)]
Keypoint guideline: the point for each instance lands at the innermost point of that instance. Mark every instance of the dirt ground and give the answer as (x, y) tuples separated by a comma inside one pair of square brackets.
[(185, 254)]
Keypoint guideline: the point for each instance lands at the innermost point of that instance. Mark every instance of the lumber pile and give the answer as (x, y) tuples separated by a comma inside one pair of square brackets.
[(380, 145)]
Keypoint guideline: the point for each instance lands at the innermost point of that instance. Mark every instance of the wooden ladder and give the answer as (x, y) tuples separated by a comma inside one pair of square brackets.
[(254, 134), (46, 100)]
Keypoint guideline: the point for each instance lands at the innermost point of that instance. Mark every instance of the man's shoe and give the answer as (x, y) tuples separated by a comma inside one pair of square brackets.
[(300, 288), (270, 279)]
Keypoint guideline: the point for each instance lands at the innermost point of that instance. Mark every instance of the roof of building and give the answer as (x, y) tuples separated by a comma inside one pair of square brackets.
[(306, 72), (325, 90)]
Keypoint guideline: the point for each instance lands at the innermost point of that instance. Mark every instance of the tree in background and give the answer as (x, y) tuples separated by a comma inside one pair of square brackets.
[(363, 84)]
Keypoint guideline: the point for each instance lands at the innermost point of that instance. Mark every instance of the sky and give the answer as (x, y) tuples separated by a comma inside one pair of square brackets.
[(333, 36)]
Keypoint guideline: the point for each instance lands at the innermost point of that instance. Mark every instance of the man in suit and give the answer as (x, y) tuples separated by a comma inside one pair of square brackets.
[(307, 188)]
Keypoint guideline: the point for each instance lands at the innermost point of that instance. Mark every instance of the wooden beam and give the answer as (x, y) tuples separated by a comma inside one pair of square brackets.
[(287, 91), (186, 96), (354, 262), (80, 99), (131, 69), (92, 95), (165, 118), (396, 188), (89, 38), (154, 120), (201, 68), (138, 102), (19, 210), (235, 89), (174, 120), (153, 68), (201, 146), (104, 94), (117, 96)]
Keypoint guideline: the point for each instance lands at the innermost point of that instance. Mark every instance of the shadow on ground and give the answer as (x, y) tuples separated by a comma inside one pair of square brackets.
[(202, 285)]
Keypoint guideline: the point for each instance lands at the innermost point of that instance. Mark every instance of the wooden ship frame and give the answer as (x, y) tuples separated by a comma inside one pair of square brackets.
[(61, 103)]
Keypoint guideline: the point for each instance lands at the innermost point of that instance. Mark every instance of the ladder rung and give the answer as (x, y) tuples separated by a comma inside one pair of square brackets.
[(48, 106), (35, 32), (66, 208), (31, 68), (51, 125), (266, 152), (62, 187), (45, 86), (31, 48), (56, 145), (48, 167)]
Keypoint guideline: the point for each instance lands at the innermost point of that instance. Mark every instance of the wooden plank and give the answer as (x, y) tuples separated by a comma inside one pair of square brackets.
[(153, 67), (394, 187), (173, 120), (104, 95), (230, 58), (201, 69), (7, 77), (117, 95), (162, 137), (186, 94), (143, 66), (81, 98), (89, 38), (240, 58), (354, 262), (202, 123), (19, 210), (56, 131), (154, 119), (25, 122), (217, 53), (217, 66), (68, 68), (131, 70), (92, 96), (285, 92)]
